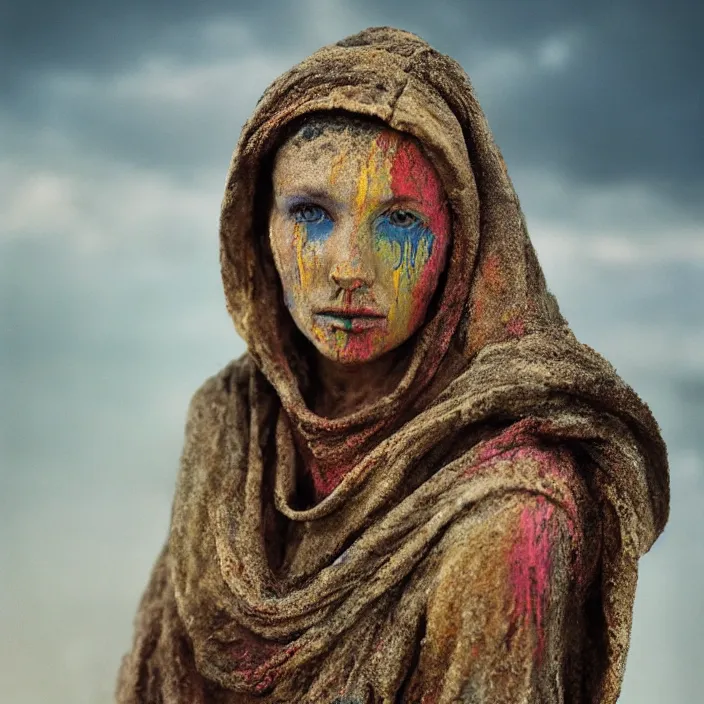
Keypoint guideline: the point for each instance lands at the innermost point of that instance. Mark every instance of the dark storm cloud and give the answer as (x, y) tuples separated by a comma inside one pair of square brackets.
[(116, 125), (629, 108), (626, 106), (104, 35)]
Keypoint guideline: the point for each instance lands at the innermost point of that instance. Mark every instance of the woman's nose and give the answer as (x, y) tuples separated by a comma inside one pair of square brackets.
[(350, 276), (352, 266)]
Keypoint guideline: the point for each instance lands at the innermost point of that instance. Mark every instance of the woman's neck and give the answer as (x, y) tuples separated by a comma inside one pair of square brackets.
[(343, 389)]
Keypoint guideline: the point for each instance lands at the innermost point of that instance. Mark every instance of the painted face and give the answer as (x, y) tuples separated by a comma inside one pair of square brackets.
[(359, 229)]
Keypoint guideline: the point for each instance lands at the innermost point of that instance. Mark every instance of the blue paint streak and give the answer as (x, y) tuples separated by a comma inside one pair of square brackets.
[(319, 226), (317, 222), (411, 236), (318, 231)]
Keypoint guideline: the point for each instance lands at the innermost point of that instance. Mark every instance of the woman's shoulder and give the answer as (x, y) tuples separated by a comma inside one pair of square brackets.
[(217, 403), (219, 390), (232, 378)]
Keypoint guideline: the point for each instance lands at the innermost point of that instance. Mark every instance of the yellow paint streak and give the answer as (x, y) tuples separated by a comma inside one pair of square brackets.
[(404, 279), (298, 234), (341, 338), (362, 183), (397, 281), (336, 166), (318, 332), (400, 302), (373, 183)]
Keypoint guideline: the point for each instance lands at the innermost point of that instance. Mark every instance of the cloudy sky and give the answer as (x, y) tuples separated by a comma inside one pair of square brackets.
[(117, 122)]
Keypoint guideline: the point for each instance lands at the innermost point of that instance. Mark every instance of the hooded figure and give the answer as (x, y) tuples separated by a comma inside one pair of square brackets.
[(471, 535)]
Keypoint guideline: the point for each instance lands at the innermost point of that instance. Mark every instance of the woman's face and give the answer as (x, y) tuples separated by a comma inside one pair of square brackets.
[(359, 228)]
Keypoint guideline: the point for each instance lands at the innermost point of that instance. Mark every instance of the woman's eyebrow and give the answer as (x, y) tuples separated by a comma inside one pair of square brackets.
[(304, 194)]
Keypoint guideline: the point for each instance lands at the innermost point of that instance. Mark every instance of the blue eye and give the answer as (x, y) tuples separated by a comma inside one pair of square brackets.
[(309, 214), (403, 218), (408, 231), (317, 223)]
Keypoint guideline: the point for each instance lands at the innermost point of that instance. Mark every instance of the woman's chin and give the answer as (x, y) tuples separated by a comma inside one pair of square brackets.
[(353, 352)]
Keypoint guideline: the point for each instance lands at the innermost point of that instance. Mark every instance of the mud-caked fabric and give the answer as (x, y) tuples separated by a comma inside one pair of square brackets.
[(483, 545)]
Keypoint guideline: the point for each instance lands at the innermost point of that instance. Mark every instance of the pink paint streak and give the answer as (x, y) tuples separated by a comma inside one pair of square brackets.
[(252, 660), (531, 567), (360, 346), (516, 327), (522, 441), (326, 477)]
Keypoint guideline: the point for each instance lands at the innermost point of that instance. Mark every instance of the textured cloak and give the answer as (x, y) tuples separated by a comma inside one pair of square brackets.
[(483, 546)]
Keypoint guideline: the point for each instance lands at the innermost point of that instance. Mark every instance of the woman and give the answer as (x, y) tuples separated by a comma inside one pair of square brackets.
[(416, 485)]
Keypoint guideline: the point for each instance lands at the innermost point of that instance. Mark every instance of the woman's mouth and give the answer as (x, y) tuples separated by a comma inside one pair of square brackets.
[(355, 320)]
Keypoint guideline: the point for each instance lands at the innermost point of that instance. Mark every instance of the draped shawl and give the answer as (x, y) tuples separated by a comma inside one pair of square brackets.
[(258, 596)]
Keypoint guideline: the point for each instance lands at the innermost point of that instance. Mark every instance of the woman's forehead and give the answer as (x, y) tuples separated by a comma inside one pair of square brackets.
[(341, 159), (331, 145)]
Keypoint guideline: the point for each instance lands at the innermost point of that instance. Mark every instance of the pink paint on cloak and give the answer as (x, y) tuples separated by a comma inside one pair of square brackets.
[(531, 567), (516, 327), (521, 442), (326, 477), (251, 659)]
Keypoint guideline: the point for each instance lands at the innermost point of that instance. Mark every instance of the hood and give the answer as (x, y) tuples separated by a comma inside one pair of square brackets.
[(493, 295), (494, 289)]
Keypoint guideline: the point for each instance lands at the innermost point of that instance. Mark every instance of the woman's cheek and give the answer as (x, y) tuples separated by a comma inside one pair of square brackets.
[(388, 257), (426, 284), (301, 257), (409, 272), (308, 259)]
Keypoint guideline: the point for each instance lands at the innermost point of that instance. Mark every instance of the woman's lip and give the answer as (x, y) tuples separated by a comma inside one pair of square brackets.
[(351, 313), (352, 323)]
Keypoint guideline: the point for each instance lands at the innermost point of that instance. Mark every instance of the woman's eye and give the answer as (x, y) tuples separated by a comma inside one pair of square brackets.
[(309, 214), (403, 218)]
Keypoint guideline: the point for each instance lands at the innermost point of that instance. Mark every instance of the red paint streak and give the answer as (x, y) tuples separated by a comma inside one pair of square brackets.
[(491, 273), (326, 476), (328, 469), (515, 440), (354, 441), (516, 327), (249, 654), (360, 346), (531, 567), (413, 177), (522, 442), (252, 661)]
